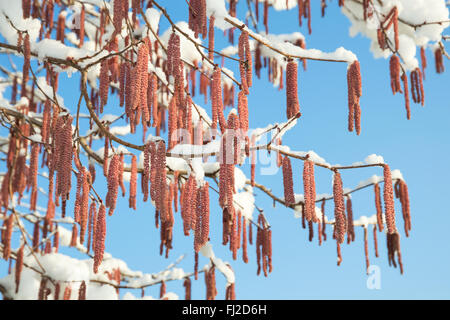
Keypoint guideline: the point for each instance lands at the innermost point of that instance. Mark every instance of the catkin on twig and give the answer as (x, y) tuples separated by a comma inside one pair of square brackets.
[(339, 208), (292, 104), (388, 195)]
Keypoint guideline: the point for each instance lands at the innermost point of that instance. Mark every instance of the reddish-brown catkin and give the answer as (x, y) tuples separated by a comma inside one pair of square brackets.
[(309, 186), (121, 171), (100, 234), (423, 60), (289, 198), (118, 15), (323, 220), (376, 188), (366, 249), (406, 94), (187, 286), (350, 226), (91, 219), (417, 91), (82, 291), (339, 208), (354, 87), (34, 159), (243, 111), (82, 18), (394, 68), (133, 183), (19, 266), (292, 104), (438, 60), (67, 292), (389, 200), (73, 240), (84, 205), (404, 200), (113, 184), (211, 38), (375, 241), (26, 63), (244, 239), (63, 144), (162, 289), (26, 8), (6, 236)]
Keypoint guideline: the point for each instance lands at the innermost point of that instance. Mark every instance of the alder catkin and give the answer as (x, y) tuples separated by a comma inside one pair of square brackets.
[(388, 194), (406, 94), (133, 183), (113, 184), (292, 104), (289, 198), (99, 240), (339, 208), (354, 87), (394, 67), (19, 267)]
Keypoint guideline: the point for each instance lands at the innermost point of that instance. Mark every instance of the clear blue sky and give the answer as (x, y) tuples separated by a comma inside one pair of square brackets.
[(303, 270)]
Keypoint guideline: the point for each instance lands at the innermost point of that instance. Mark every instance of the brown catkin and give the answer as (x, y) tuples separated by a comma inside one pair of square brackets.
[(378, 207), (417, 91), (211, 38), (438, 60), (99, 240), (388, 195), (366, 249), (309, 186), (354, 87), (34, 162), (26, 63), (19, 267), (350, 226), (73, 241), (292, 104), (406, 94), (289, 197), (84, 205), (67, 292), (187, 286), (394, 67), (423, 60), (133, 183), (26, 8), (82, 291), (375, 241), (339, 208), (113, 184), (82, 18)]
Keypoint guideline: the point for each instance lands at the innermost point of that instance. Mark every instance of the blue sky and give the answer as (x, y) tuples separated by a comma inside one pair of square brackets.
[(303, 270)]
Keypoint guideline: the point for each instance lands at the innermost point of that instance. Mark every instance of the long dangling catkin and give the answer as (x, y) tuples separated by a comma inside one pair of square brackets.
[(350, 226), (149, 152), (26, 63), (133, 183), (187, 286), (67, 292), (423, 60), (322, 208), (404, 200), (82, 18), (406, 94), (378, 207), (113, 184), (375, 241), (417, 91), (292, 104), (366, 249), (73, 240), (438, 60), (388, 195), (91, 220), (36, 233), (34, 159), (211, 38), (309, 186), (354, 87), (99, 240), (118, 15), (339, 208), (63, 143), (19, 267), (82, 291), (84, 205), (394, 67), (104, 83), (243, 111), (26, 8), (289, 198)]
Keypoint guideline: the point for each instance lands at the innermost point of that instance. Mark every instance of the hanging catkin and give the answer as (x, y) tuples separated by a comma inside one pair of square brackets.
[(354, 93), (388, 195), (113, 184), (394, 68), (82, 18), (438, 60), (309, 187), (133, 183), (378, 207), (26, 63), (289, 198), (423, 60), (19, 267), (34, 159), (350, 226), (84, 205), (245, 64), (339, 208), (187, 286), (99, 240), (292, 104), (406, 94), (212, 19), (417, 91)]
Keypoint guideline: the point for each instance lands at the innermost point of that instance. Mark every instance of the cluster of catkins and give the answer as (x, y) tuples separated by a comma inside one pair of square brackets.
[(343, 213)]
